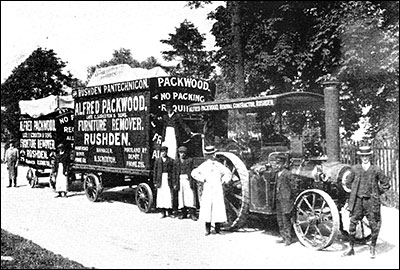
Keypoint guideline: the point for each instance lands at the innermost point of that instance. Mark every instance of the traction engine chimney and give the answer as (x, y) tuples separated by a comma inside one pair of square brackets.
[(331, 99)]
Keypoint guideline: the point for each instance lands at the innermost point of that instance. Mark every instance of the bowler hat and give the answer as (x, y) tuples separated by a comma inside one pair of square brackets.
[(364, 150), (208, 150), (182, 149)]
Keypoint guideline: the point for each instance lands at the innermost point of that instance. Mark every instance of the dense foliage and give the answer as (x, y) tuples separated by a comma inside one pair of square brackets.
[(296, 45), (40, 75), (187, 47)]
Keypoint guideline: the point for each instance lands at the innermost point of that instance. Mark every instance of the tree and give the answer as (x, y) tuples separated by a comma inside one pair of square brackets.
[(188, 49), (295, 45), (370, 63), (40, 75), (149, 63), (237, 47)]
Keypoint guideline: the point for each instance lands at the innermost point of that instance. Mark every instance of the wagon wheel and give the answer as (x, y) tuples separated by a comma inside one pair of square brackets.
[(32, 178), (92, 186), (363, 229), (236, 192), (144, 197), (317, 219)]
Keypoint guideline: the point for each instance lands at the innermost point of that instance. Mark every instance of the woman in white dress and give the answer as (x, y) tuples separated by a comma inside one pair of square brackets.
[(60, 171), (164, 181)]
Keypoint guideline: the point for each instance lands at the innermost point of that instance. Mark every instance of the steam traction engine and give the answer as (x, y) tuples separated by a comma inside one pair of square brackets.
[(319, 179)]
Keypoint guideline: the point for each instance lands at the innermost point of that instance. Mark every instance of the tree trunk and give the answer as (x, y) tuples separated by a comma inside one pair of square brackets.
[(237, 48)]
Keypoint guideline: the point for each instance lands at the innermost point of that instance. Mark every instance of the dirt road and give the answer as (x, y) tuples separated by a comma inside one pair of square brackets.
[(113, 233)]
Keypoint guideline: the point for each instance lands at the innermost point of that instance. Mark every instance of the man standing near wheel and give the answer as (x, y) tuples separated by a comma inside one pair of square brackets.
[(284, 199), (213, 174), (367, 183)]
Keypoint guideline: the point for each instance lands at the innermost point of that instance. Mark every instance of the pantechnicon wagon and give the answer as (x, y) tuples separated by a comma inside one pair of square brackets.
[(44, 124), (118, 131)]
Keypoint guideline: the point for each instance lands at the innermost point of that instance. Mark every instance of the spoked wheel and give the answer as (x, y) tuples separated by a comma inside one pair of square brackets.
[(92, 186), (144, 197), (363, 229), (32, 178), (236, 192), (317, 219)]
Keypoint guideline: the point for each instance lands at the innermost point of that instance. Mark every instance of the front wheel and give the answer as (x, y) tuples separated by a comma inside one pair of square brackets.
[(32, 178), (144, 197), (92, 186), (317, 219)]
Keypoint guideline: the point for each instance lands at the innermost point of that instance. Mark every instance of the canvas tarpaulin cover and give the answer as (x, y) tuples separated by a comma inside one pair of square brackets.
[(43, 106), (122, 73)]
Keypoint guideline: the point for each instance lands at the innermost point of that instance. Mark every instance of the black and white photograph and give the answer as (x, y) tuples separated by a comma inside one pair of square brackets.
[(199, 134)]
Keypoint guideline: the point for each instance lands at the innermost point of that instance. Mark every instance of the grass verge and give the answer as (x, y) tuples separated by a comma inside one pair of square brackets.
[(19, 253)]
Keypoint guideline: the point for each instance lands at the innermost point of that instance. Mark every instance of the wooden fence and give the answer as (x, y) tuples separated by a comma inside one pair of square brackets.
[(385, 156)]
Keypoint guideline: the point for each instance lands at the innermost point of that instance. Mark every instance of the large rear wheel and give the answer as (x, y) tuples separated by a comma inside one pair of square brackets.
[(236, 192), (144, 197), (92, 186), (317, 219)]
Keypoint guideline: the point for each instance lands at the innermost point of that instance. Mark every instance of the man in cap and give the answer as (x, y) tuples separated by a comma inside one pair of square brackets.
[(186, 184), (164, 181), (284, 198), (12, 157), (367, 183), (213, 174)]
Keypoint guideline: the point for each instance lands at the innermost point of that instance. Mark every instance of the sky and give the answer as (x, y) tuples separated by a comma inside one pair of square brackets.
[(84, 33)]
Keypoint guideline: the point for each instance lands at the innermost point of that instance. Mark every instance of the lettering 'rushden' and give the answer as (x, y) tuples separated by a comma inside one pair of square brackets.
[(117, 138)]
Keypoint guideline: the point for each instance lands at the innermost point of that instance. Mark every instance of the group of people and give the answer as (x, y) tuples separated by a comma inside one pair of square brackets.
[(176, 174), (367, 182), (59, 169), (180, 175)]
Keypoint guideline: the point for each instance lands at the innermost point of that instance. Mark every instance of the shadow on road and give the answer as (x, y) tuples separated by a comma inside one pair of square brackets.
[(125, 195)]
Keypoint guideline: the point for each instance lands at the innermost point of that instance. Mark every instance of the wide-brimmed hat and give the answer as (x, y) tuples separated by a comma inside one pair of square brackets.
[(209, 150), (364, 150), (182, 149)]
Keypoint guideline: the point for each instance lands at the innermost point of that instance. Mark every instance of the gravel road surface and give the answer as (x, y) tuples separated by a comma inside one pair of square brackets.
[(113, 233)]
